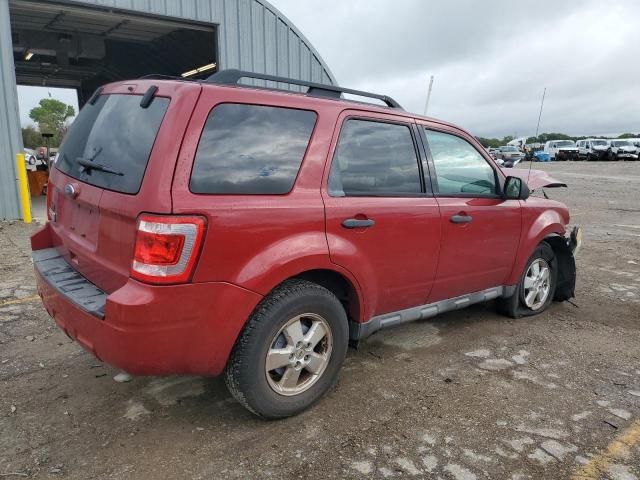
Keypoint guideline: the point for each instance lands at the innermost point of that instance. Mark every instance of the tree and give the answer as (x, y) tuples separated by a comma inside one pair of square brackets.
[(31, 138), (51, 115)]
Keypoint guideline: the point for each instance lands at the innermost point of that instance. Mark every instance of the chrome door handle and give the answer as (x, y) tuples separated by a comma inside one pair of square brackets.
[(461, 219), (357, 223)]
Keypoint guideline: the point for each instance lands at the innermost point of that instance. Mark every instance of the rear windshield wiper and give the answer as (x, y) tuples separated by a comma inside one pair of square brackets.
[(89, 165)]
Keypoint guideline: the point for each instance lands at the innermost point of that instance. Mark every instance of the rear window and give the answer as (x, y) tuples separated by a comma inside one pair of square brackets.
[(374, 159), (251, 149), (115, 134)]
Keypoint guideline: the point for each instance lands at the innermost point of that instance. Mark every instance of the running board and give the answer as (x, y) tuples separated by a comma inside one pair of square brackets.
[(359, 331)]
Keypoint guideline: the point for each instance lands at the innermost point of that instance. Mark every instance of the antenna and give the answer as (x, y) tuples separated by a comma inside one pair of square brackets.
[(426, 105), (544, 92), (540, 115)]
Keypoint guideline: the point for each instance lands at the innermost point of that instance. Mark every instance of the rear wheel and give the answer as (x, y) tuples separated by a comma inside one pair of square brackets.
[(290, 351), (536, 288)]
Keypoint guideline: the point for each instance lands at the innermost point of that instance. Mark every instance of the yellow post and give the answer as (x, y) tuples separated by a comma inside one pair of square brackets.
[(23, 188)]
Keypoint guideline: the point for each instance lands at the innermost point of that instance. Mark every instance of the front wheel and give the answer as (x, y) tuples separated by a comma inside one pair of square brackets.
[(290, 351), (537, 286)]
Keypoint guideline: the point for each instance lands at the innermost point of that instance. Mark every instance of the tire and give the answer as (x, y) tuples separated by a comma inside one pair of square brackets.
[(266, 330), (610, 156), (517, 305)]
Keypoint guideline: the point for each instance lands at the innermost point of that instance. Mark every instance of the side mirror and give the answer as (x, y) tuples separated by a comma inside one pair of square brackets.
[(516, 189)]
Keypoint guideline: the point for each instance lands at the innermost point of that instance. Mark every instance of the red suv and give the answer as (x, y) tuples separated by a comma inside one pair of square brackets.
[(214, 227)]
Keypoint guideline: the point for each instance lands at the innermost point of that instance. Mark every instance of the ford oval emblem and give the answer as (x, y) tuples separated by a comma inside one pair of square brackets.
[(71, 190)]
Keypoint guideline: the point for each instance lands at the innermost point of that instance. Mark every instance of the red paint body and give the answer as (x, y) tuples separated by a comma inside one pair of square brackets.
[(252, 243)]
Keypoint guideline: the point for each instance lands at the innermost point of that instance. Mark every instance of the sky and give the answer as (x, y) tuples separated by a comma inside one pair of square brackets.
[(29, 97), (491, 60)]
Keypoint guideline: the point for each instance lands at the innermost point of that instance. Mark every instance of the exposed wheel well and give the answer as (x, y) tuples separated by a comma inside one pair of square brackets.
[(565, 288), (337, 284)]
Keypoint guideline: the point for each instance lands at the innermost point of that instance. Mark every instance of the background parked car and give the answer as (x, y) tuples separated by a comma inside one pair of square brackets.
[(636, 143), (541, 156), (510, 155), (30, 159), (593, 149), (622, 150), (561, 150)]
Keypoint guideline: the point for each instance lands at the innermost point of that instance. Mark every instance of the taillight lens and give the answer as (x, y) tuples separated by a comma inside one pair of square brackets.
[(49, 200), (166, 248)]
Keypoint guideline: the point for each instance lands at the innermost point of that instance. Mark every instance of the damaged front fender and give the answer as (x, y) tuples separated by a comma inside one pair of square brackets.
[(564, 250)]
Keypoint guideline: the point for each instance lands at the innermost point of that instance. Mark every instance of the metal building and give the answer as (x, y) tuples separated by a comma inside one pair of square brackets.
[(82, 44)]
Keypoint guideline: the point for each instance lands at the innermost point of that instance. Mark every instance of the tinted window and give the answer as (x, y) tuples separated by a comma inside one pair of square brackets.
[(251, 149), (376, 159), (459, 167), (116, 133)]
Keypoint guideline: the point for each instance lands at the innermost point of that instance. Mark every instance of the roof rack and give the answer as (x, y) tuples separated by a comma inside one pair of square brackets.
[(160, 76), (232, 76)]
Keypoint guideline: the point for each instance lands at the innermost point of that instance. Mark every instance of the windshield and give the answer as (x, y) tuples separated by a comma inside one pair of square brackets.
[(109, 143), (622, 143), (598, 143), (509, 149), (566, 143)]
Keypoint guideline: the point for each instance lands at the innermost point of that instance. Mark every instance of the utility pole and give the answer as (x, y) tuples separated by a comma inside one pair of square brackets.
[(540, 115), (426, 105)]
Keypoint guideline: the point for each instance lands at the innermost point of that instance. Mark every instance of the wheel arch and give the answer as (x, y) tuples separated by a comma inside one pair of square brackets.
[(338, 283), (548, 223)]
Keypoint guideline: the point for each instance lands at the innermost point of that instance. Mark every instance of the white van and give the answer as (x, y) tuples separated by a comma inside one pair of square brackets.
[(592, 149), (561, 149)]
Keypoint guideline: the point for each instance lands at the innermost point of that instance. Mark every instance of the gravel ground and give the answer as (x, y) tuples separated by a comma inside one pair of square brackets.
[(468, 395)]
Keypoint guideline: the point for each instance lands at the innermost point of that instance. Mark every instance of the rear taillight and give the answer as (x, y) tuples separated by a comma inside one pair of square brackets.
[(50, 212), (166, 248)]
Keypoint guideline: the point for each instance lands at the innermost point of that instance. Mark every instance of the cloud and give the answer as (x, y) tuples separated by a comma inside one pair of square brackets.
[(491, 59)]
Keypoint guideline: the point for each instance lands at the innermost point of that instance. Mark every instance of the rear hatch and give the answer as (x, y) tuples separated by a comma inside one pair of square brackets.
[(116, 161)]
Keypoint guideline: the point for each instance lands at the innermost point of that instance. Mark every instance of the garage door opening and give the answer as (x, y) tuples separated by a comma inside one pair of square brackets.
[(70, 46)]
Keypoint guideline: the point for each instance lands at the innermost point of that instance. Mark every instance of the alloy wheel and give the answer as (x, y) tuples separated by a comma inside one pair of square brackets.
[(299, 354), (537, 284)]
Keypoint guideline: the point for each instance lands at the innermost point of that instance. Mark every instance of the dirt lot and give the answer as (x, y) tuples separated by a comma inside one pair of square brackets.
[(468, 395)]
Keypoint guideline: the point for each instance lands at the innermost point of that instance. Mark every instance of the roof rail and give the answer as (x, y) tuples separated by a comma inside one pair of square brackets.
[(160, 76), (233, 76)]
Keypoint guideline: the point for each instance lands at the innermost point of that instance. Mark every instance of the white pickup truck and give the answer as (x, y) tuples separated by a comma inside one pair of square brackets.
[(561, 150)]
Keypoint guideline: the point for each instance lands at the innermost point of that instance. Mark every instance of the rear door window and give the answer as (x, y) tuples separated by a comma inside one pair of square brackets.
[(251, 149), (374, 159), (116, 134)]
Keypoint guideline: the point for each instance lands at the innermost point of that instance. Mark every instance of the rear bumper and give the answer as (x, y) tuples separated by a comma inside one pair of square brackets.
[(155, 330)]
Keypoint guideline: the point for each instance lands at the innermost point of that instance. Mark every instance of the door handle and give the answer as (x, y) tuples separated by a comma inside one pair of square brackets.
[(461, 218), (357, 223)]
